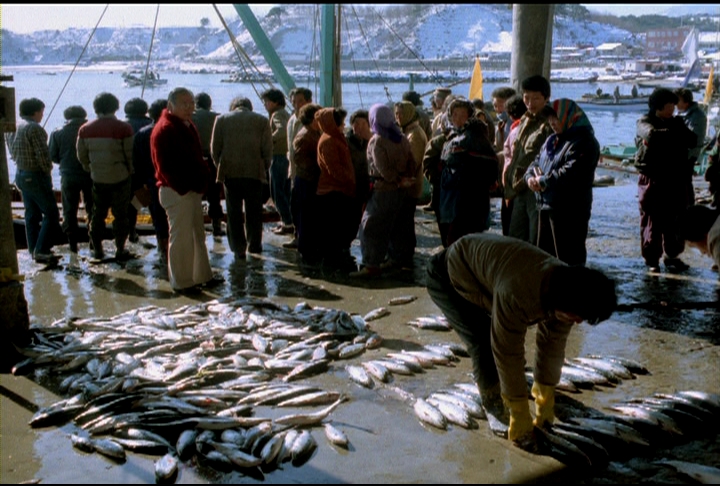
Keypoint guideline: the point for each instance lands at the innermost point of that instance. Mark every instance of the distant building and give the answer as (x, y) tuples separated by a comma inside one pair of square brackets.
[(612, 51), (666, 43), (709, 42)]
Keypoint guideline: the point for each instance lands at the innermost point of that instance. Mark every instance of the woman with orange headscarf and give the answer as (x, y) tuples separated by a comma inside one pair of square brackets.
[(562, 177)]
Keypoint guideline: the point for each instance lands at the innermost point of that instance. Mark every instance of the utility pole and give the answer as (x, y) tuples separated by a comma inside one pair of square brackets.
[(14, 317), (531, 41)]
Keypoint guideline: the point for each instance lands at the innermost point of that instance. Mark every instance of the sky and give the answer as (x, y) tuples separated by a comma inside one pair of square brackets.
[(25, 18)]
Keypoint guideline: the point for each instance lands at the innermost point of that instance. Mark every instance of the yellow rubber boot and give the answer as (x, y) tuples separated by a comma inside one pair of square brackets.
[(544, 396)]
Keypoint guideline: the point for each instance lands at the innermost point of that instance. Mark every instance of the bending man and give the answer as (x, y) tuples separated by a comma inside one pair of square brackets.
[(492, 289)]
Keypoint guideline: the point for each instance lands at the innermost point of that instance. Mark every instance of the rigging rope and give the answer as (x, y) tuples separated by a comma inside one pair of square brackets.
[(264, 79), (76, 65), (352, 57), (367, 44), (147, 64), (313, 65), (434, 74)]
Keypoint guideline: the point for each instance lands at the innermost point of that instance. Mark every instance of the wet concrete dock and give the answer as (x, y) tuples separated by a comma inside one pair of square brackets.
[(665, 322)]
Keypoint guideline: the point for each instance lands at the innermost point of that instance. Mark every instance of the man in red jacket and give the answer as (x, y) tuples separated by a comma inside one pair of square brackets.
[(183, 178)]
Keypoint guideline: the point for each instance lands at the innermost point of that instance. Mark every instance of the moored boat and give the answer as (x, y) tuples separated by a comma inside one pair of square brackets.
[(607, 102), (138, 78)]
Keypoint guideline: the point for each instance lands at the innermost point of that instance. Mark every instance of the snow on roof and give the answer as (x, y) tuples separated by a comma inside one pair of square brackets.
[(608, 46)]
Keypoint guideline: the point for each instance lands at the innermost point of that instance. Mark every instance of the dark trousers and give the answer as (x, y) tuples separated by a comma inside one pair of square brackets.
[(71, 187), (336, 211), (661, 206), (117, 197), (506, 208), (239, 190), (214, 193), (303, 202), (471, 322), (158, 214), (42, 218), (280, 187), (402, 249), (563, 234), (523, 220)]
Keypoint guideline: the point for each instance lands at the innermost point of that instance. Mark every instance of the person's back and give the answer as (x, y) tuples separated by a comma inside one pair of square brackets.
[(74, 180), (204, 120), (242, 145)]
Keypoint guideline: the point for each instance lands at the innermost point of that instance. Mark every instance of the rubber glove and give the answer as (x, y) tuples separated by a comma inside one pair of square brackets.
[(544, 396), (521, 422)]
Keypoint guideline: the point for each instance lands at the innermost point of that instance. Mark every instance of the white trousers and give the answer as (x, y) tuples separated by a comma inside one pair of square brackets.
[(188, 261)]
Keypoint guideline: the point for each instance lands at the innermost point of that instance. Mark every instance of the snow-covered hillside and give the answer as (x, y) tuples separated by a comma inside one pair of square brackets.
[(401, 32)]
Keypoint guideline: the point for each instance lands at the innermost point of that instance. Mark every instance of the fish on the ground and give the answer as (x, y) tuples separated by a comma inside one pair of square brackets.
[(404, 299), (376, 314), (335, 435), (699, 472)]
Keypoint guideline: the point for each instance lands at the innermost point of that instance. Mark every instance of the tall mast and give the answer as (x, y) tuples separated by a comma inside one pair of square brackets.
[(263, 43), (329, 57)]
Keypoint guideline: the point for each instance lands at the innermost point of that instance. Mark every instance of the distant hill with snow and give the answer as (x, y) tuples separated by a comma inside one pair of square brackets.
[(425, 31)]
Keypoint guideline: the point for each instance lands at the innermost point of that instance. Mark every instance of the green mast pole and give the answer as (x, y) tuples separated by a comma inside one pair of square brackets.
[(327, 55), (263, 43)]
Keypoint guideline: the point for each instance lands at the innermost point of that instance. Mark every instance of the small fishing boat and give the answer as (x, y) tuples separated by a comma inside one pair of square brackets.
[(136, 78), (618, 157), (607, 102)]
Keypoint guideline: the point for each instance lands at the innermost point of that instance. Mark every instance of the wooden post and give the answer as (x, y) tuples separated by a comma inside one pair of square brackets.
[(531, 41), (14, 318)]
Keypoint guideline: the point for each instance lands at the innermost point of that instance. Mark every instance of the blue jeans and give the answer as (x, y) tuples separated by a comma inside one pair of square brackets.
[(42, 218), (280, 187)]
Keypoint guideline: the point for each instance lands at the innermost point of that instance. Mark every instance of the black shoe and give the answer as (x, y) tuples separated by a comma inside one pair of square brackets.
[(123, 255), (291, 244), (194, 290), (255, 250), (133, 237), (44, 257), (213, 282), (653, 266), (217, 228), (675, 264)]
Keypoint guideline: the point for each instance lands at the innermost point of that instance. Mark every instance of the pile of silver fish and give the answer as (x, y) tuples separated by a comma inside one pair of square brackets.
[(636, 427), (582, 435), (187, 382)]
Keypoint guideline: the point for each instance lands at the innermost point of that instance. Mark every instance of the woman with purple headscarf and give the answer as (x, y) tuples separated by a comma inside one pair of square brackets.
[(392, 171), (562, 177)]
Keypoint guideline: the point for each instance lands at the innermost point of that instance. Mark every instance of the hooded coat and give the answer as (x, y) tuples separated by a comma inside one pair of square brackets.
[(410, 125), (336, 169)]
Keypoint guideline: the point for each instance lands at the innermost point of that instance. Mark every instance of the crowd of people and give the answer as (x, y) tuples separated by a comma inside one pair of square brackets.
[(331, 184)]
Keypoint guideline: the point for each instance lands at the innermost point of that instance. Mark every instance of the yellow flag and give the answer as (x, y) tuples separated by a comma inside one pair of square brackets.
[(476, 82), (709, 86)]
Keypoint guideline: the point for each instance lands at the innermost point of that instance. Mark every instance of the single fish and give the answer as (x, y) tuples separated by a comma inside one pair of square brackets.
[(376, 314), (166, 468), (109, 448), (700, 473), (359, 376), (305, 419), (302, 448), (185, 445), (454, 413), (561, 449), (335, 435), (320, 397), (378, 370), (429, 414), (404, 299)]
